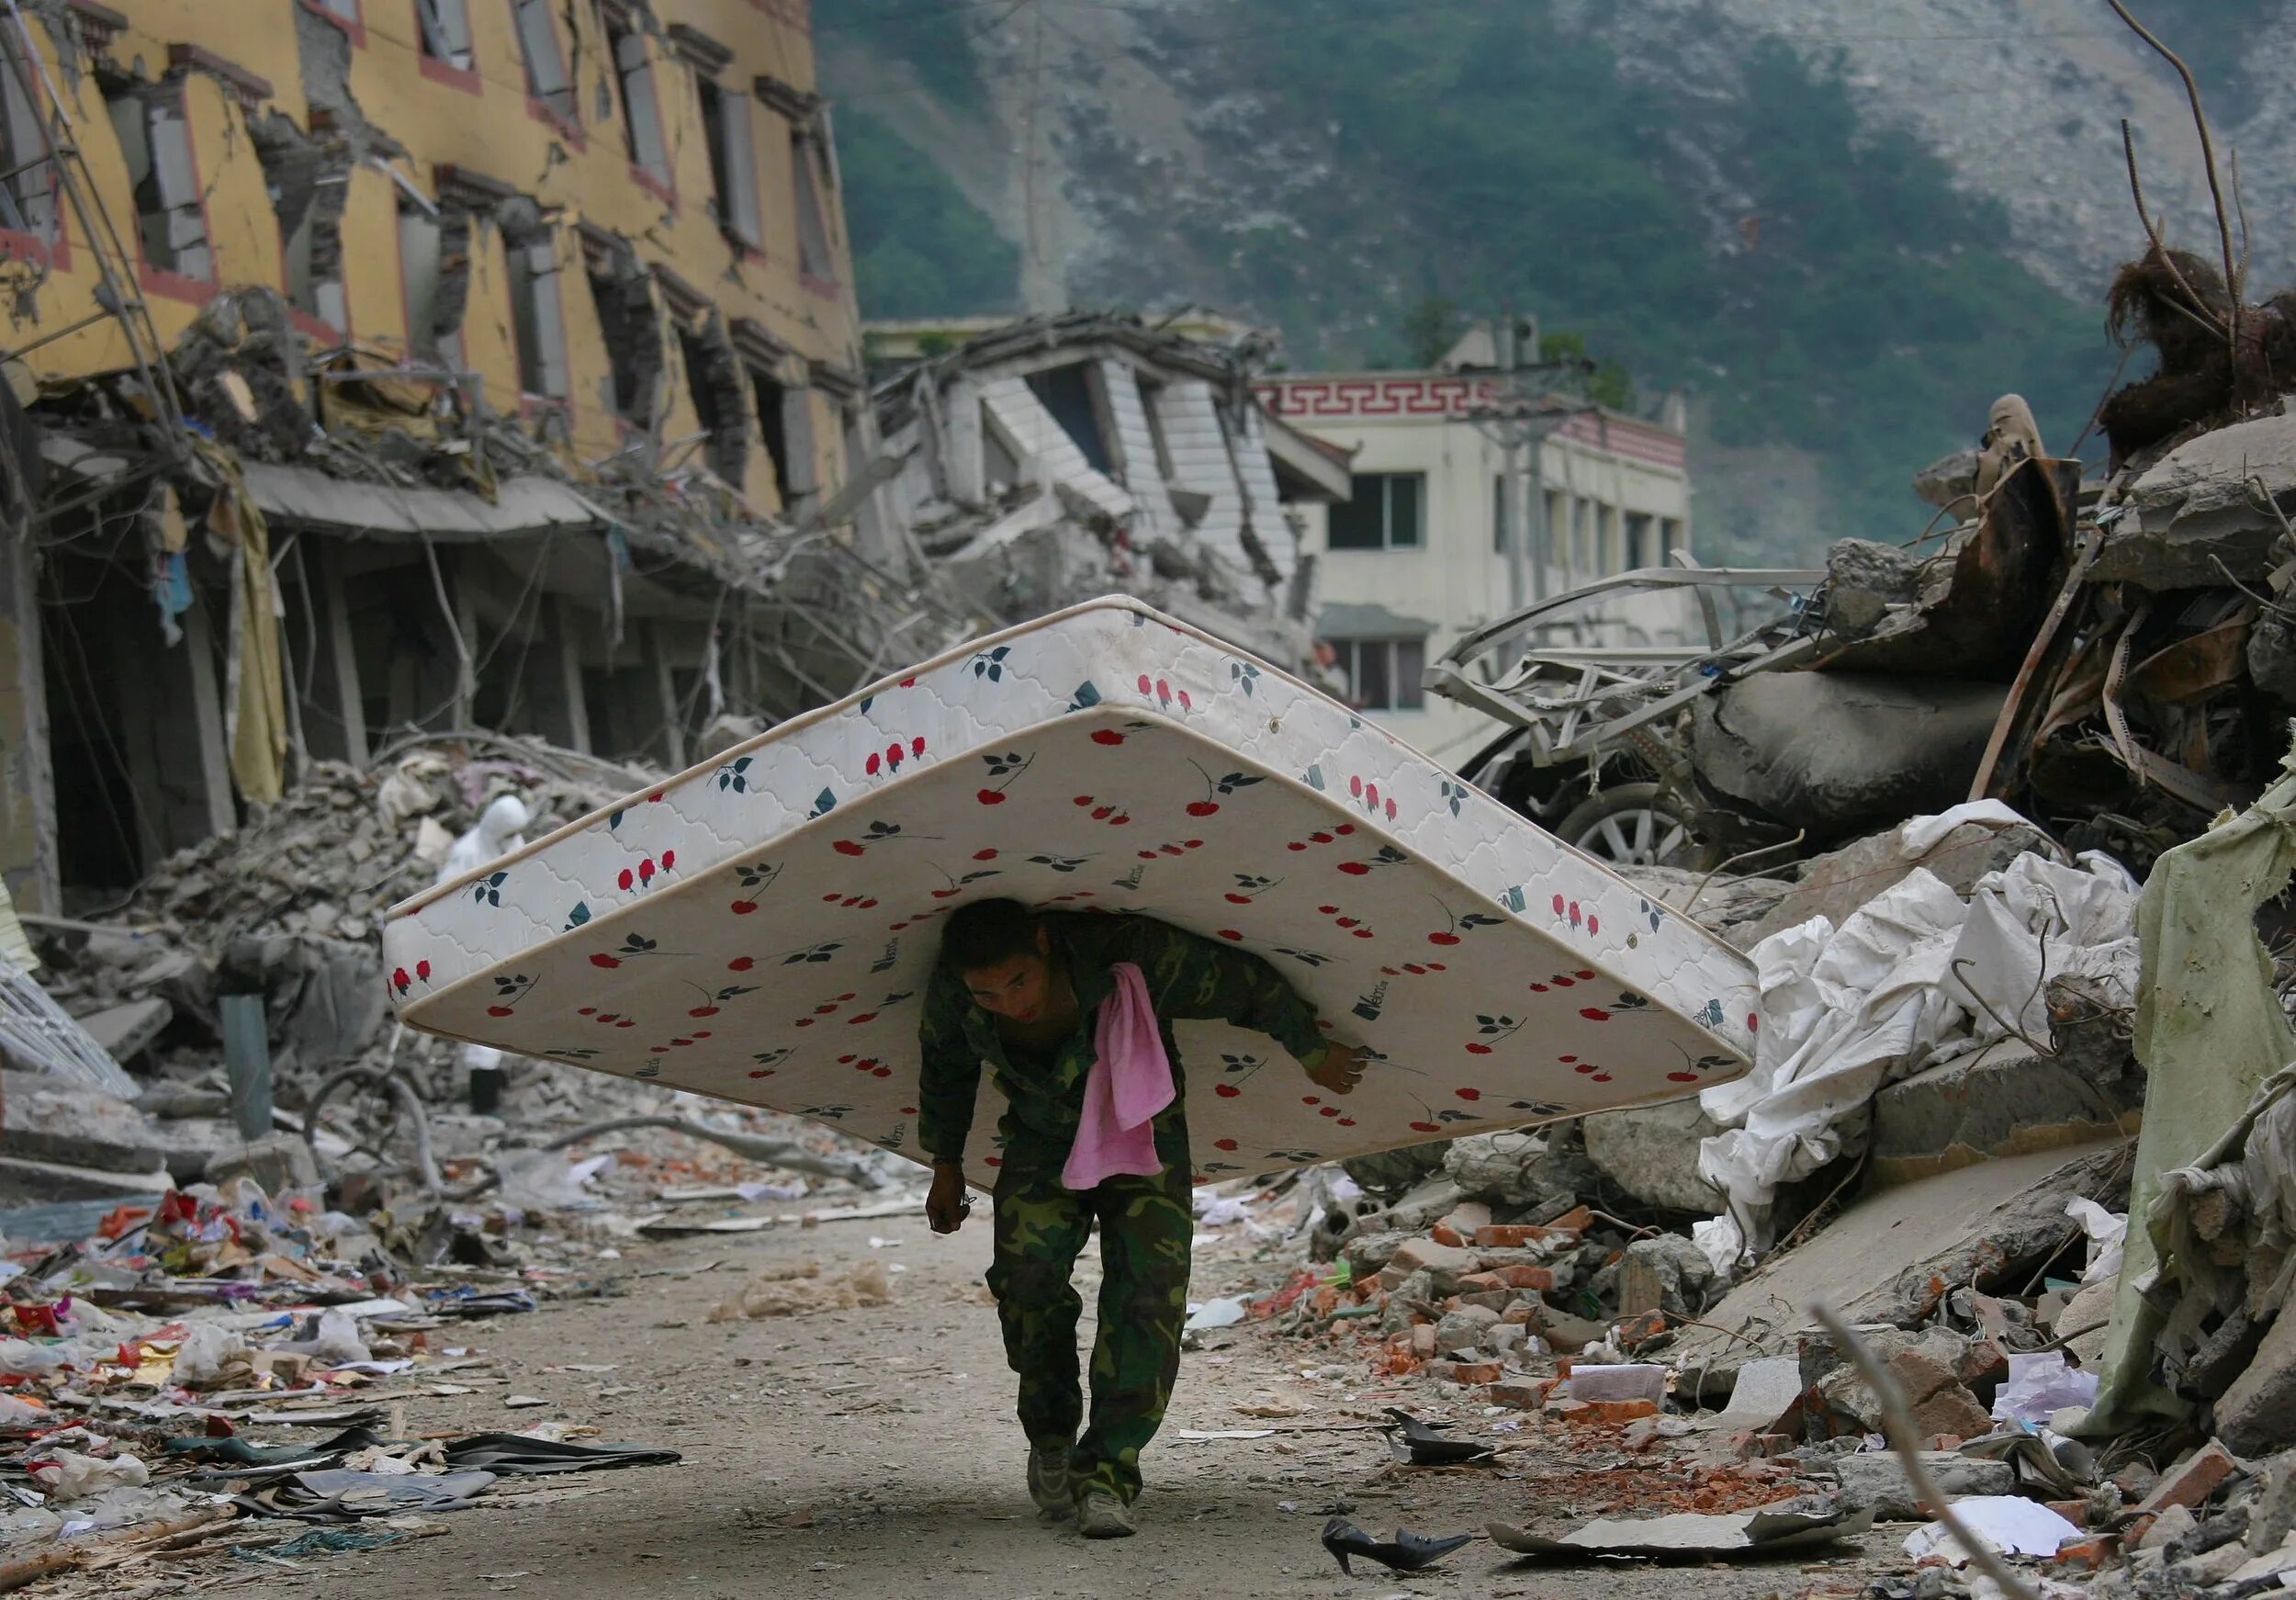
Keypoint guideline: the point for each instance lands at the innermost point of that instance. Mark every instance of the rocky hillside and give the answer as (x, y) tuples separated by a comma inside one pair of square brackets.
[(1842, 230)]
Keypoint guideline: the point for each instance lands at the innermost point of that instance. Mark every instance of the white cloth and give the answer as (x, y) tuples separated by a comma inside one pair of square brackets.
[(500, 829), (1916, 974)]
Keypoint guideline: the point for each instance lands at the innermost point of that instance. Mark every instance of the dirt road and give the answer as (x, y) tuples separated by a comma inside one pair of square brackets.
[(872, 1453)]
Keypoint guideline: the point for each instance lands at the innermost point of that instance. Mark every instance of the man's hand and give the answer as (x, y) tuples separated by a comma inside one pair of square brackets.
[(946, 1206), (1342, 1069)]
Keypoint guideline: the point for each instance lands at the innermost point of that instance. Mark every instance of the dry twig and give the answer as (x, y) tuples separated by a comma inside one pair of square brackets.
[(1905, 1439), (2208, 160)]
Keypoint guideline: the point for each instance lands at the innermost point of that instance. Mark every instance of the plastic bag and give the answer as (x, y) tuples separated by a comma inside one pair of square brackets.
[(2041, 1386), (207, 1348), (71, 1476), (2107, 1230)]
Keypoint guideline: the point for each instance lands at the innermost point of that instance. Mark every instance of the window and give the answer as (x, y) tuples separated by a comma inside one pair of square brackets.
[(641, 113), (443, 29), (1614, 557), (1383, 674), (1382, 514), (1670, 539), (772, 401), (1639, 552), (546, 84), (1500, 542), (28, 196), (1000, 462), (538, 317), (1582, 535), (155, 140), (733, 161), (815, 259), (1070, 394), (314, 260), (715, 380), (419, 260), (1152, 402)]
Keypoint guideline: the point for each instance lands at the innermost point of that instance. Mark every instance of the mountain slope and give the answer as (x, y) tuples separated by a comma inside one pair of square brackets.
[(1843, 237)]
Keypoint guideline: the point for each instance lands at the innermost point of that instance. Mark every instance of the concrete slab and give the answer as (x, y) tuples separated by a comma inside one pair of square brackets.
[(127, 1031), (1893, 1255), (2007, 1099), (47, 1118)]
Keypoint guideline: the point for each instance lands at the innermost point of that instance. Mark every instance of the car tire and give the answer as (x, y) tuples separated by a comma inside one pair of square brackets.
[(1636, 825)]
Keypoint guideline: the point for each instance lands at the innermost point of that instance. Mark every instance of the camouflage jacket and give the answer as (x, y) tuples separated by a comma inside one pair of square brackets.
[(1186, 977)]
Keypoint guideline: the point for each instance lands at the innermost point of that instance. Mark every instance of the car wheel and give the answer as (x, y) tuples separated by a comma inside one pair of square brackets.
[(1635, 825)]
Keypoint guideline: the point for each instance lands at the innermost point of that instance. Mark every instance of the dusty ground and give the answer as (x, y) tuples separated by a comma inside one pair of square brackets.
[(872, 1453)]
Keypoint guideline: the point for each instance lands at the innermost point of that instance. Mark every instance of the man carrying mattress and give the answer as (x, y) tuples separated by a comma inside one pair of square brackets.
[(1072, 1014)]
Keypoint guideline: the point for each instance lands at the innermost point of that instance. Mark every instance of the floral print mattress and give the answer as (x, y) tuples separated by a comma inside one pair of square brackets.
[(761, 928)]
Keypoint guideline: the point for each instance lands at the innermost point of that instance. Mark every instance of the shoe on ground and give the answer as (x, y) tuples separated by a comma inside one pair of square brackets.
[(1048, 1483), (1100, 1515)]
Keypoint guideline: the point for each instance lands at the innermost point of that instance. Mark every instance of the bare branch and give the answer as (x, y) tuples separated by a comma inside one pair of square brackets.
[(2198, 311), (1907, 1442), (2208, 160)]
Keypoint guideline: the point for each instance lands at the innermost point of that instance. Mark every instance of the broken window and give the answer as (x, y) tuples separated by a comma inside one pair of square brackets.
[(1000, 460), (733, 161), (537, 316), (420, 253), (815, 258), (1638, 548), (714, 377), (1072, 397), (1152, 402), (1382, 514), (444, 27), (314, 255), (626, 316), (155, 140), (771, 400), (1383, 674), (28, 196), (548, 85), (641, 113)]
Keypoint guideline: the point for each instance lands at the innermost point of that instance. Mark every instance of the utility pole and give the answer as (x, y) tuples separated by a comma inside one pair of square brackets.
[(1520, 431)]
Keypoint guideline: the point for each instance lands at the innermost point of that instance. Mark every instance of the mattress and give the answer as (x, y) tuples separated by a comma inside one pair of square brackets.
[(761, 928)]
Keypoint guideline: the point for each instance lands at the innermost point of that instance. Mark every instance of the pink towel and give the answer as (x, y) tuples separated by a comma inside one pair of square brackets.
[(1130, 1083)]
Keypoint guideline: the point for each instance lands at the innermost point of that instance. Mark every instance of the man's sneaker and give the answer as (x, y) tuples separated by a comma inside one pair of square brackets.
[(1048, 1482), (1100, 1515)]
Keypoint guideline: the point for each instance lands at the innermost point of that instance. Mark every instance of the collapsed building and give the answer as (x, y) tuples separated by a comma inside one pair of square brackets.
[(385, 371), (1056, 458)]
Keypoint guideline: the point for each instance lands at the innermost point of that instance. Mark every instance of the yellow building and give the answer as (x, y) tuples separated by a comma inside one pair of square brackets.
[(517, 337)]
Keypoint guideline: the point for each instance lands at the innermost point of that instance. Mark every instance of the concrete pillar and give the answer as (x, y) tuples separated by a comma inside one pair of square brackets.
[(27, 784), (575, 705), (207, 702), (342, 651), (673, 733)]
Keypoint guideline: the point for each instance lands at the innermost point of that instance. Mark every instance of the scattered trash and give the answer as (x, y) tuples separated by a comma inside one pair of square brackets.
[(798, 1288), (2041, 1385), (1406, 1552), (1787, 1525), (1423, 1446), (2008, 1523), (1214, 1314)]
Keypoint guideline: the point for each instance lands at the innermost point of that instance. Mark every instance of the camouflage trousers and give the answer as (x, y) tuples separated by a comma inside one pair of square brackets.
[(1145, 1226)]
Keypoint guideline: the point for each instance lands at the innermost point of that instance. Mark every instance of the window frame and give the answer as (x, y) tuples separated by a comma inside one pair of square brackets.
[(1402, 693), (731, 139), (809, 189), (661, 184), (533, 333), (355, 25), (169, 281), (49, 245), (439, 69), (568, 121), (1388, 541)]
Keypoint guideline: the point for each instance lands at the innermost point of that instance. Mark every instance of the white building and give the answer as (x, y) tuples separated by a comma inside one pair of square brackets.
[(1420, 555)]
